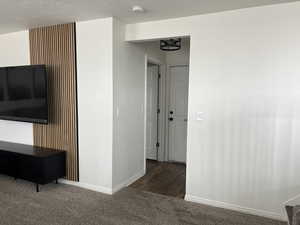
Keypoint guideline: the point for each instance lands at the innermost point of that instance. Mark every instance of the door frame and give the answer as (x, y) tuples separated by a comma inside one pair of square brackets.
[(154, 109), (164, 99), (163, 109), (168, 99)]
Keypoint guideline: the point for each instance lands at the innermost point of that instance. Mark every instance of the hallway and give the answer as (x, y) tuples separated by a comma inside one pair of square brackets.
[(163, 178)]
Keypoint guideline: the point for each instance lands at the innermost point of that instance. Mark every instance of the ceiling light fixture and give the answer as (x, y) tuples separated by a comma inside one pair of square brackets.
[(172, 44), (138, 9)]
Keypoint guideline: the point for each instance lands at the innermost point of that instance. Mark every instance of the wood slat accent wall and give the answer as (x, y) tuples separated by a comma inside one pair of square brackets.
[(55, 47)]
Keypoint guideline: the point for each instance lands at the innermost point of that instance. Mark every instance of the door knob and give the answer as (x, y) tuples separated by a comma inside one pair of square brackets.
[(171, 119), (185, 120)]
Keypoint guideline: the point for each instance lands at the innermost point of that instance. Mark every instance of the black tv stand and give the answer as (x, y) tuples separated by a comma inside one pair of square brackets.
[(35, 164)]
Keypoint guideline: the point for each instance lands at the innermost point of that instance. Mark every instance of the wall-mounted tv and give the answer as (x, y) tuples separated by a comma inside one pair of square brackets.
[(23, 94)]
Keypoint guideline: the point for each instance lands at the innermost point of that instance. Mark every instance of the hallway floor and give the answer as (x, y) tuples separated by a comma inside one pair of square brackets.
[(163, 178)]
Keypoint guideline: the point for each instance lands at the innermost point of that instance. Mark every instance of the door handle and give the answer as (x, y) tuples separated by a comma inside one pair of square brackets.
[(185, 120), (171, 119)]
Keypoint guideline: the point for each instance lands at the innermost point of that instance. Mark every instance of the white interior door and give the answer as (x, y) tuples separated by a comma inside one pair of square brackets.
[(178, 113), (152, 106)]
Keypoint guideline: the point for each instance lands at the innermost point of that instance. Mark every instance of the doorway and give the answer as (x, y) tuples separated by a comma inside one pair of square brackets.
[(152, 111), (166, 120), (178, 113)]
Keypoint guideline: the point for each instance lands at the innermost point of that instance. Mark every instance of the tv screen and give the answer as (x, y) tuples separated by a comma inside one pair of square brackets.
[(23, 94)]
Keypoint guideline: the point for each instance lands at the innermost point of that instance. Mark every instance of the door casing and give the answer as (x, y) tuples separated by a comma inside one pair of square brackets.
[(163, 109), (152, 106), (164, 99)]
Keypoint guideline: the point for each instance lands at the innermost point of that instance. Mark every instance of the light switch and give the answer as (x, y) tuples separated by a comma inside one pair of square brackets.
[(199, 116)]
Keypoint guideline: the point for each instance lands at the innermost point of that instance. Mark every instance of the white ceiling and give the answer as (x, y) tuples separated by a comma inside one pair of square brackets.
[(23, 14)]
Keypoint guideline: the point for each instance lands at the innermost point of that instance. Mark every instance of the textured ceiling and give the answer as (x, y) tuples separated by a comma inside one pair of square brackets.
[(23, 14)]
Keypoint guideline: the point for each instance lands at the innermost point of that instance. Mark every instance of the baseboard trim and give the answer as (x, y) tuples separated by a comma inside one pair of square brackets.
[(293, 201), (129, 181), (237, 208), (105, 190), (91, 187)]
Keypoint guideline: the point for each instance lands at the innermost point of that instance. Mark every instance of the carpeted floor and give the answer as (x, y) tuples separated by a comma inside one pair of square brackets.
[(63, 204)]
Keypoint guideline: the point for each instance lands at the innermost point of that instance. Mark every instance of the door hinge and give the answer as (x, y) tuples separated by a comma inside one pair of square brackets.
[(159, 76), (158, 111), (157, 145)]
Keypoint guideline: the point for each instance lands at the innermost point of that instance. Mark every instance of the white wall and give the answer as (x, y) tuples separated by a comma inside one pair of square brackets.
[(180, 57), (244, 77), (111, 101), (157, 56), (129, 91), (14, 51), (153, 52), (95, 102)]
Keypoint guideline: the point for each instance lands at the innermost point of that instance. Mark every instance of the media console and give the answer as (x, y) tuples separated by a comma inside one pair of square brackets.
[(31, 163)]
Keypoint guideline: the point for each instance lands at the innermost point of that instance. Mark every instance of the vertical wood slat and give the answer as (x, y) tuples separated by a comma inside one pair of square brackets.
[(54, 46)]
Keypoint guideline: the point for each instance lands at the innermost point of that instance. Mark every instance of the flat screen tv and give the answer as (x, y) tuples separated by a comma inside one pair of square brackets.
[(23, 94)]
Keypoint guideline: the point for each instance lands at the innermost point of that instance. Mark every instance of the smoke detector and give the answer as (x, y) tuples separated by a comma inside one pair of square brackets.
[(138, 9)]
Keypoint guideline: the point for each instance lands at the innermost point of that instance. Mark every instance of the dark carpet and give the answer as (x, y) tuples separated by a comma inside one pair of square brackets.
[(63, 204)]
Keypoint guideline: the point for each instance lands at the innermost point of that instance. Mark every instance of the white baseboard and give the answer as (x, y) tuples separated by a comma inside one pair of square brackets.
[(233, 207), (127, 182), (293, 201), (101, 189), (104, 190)]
